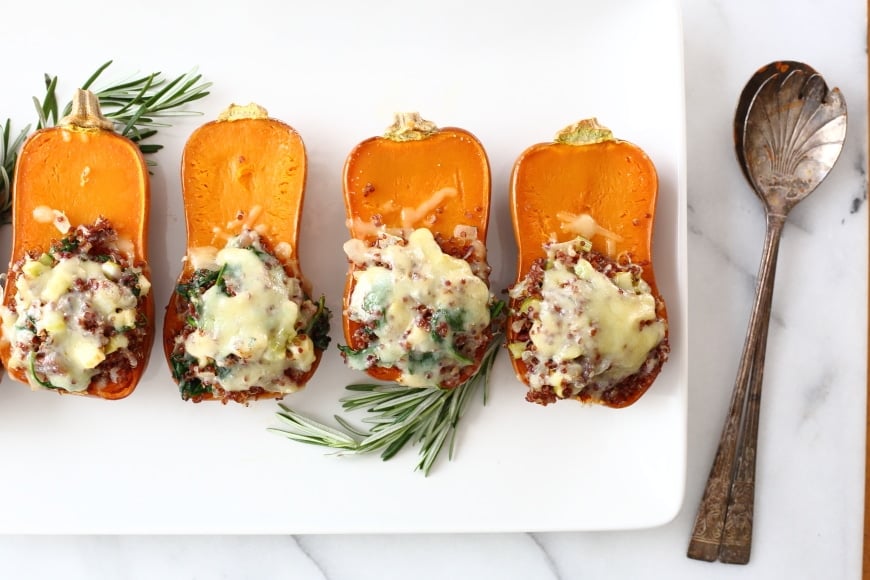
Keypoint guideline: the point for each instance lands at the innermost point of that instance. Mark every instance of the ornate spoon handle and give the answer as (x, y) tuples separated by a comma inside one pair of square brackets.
[(737, 540), (723, 528)]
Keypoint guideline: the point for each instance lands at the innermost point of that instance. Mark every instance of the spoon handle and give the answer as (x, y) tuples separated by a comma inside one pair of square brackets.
[(711, 527), (737, 531), (737, 540)]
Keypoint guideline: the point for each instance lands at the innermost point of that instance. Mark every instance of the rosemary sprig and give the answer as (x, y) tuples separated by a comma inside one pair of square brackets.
[(8, 155), (427, 416), (136, 106)]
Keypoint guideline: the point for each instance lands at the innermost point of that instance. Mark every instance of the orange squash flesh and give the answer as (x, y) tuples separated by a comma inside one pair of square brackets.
[(85, 170), (585, 171), (612, 181), (249, 166), (236, 164), (402, 170)]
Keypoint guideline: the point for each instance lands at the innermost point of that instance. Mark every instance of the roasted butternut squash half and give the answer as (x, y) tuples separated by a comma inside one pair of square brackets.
[(77, 309), (586, 320), (241, 325), (417, 304)]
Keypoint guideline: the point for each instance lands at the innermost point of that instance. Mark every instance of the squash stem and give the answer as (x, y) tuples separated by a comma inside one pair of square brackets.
[(86, 113), (585, 132), (410, 127), (250, 111)]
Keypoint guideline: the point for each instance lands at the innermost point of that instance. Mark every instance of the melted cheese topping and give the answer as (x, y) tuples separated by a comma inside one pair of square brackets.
[(585, 226), (412, 215), (417, 300), (247, 327), (586, 322), (245, 221), (46, 215), (69, 303), (584, 312)]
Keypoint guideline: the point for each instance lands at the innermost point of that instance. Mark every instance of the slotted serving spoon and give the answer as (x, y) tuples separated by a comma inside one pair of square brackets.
[(789, 130)]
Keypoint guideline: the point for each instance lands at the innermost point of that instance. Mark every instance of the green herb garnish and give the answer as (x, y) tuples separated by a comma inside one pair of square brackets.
[(46, 384), (496, 309), (454, 319), (199, 282), (8, 155), (68, 245), (397, 414), (220, 281), (135, 106), (375, 302), (318, 327), (264, 256), (356, 359), (190, 387)]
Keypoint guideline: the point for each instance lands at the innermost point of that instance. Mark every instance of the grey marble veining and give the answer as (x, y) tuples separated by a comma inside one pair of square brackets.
[(810, 480)]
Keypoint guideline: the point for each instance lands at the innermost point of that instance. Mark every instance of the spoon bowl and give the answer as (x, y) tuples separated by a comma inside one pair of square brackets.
[(791, 133)]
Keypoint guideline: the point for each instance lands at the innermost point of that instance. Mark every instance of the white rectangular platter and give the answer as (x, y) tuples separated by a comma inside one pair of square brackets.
[(513, 74)]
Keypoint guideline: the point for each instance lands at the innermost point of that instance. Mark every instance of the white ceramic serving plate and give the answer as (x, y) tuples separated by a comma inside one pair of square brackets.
[(512, 73)]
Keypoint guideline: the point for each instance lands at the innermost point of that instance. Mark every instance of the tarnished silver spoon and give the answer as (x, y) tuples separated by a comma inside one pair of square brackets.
[(789, 130)]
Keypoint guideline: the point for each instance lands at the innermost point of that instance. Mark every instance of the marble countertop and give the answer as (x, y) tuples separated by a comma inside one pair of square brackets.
[(809, 514)]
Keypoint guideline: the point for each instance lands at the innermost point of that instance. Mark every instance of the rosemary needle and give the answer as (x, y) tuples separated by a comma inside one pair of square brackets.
[(427, 416), (8, 155), (136, 106)]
